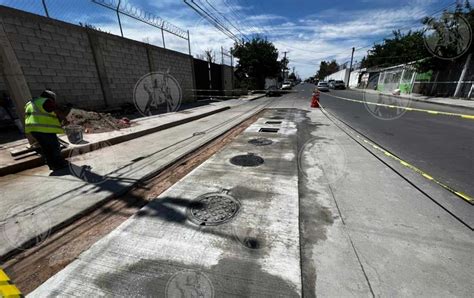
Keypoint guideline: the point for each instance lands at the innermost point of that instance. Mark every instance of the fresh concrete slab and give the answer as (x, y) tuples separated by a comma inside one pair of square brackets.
[(141, 126), (34, 202), (159, 252), (366, 231)]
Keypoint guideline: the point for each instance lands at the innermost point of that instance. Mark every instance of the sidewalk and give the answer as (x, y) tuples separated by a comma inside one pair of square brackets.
[(158, 253), (140, 127), (33, 202), (364, 230), (459, 103)]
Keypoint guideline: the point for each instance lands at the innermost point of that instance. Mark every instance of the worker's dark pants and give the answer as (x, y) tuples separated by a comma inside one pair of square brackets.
[(50, 149)]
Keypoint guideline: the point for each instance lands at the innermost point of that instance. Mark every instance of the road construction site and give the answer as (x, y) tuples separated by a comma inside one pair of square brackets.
[(264, 198)]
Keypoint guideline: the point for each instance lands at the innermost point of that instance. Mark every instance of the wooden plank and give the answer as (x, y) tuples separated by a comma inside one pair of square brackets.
[(14, 77)]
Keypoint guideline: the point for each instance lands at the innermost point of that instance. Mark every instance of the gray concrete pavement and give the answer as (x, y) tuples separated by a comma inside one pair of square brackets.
[(254, 255), (34, 202), (398, 241), (364, 229), (140, 127), (440, 145)]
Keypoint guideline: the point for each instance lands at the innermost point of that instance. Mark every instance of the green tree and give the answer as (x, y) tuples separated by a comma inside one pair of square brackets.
[(326, 68), (258, 59), (399, 49), (410, 47)]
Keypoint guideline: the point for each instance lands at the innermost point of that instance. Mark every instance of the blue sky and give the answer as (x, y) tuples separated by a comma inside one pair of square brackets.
[(310, 31)]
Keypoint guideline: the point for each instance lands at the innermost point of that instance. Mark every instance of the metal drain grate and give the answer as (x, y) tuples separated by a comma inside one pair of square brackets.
[(213, 209), (248, 160), (273, 122), (269, 129), (260, 142)]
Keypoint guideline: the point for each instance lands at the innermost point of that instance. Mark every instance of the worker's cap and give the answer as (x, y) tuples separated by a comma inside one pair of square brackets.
[(49, 94)]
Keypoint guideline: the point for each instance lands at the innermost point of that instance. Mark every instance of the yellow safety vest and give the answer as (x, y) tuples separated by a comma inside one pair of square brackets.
[(38, 119)]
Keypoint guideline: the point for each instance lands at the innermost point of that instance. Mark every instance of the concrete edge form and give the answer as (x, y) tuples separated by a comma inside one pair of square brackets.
[(38, 161)]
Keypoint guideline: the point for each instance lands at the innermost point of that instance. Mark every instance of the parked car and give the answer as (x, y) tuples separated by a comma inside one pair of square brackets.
[(337, 85), (273, 91), (323, 86), (286, 86)]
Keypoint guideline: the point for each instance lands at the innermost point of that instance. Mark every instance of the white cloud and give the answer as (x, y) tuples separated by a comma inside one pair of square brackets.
[(329, 34)]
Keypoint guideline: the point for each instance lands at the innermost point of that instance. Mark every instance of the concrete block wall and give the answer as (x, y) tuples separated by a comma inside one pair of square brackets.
[(227, 79), (87, 68), (179, 65), (54, 55), (125, 63)]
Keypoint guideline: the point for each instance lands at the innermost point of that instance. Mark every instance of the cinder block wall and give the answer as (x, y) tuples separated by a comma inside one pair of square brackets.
[(125, 63), (179, 65), (53, 55), (227, 79), (87, 68)]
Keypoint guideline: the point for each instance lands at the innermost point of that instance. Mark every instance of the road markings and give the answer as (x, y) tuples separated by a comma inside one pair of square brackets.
[(460, 194), (7, 289), (464, 116)]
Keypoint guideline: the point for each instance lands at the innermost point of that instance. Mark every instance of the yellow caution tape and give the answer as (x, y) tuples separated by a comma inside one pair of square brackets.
[(7, 289), (461, 195), (464, 116)]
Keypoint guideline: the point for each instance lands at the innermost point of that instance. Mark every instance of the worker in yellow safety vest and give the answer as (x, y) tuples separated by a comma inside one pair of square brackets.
[(43, 121)]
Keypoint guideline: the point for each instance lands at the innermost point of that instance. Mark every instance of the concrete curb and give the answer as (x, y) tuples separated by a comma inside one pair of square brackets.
[(254, 98), (420, 100), (38, 161), (126, 189)]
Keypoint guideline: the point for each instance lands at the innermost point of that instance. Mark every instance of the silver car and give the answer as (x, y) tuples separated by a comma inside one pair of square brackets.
[(323, 86)]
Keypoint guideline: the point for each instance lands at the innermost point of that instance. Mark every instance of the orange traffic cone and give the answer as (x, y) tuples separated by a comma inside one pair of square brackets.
[(315, 100)]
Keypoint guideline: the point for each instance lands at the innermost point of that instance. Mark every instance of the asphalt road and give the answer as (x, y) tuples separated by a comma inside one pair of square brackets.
[(440, 145)]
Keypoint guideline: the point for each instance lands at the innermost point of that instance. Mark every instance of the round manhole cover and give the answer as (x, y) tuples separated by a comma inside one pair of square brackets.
[(260, 142), (213, 209), (248, 160)]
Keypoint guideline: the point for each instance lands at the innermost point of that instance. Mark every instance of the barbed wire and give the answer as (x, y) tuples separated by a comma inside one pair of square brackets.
[(140, 14)]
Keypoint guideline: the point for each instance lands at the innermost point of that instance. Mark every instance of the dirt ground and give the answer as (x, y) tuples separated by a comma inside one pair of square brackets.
[(93, 122), (31, 267)]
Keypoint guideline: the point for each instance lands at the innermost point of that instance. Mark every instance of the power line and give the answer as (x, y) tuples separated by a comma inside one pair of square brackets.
[(225, 18), (211, 19)]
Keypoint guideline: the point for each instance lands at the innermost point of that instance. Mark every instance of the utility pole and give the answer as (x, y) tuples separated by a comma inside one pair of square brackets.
[(457, 92), (284, 65), (350, 68), (222, 54)]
